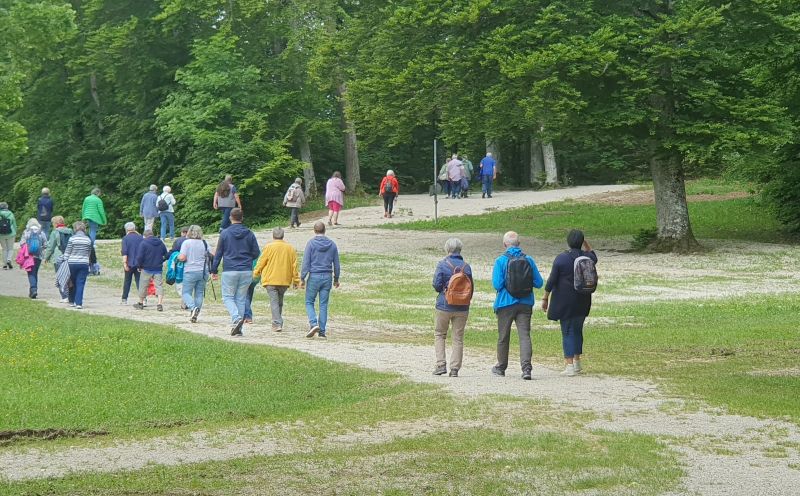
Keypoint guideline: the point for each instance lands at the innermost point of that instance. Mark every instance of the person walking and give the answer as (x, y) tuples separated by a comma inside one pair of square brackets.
[(443, 181), (77, 255), (44, 211), (56, 245), (447, 314), (294, 199), (226, 198), (320, 259), (488, 175), (166, 212), (237, 248), (277, 270), (194, 252), (149, 260), (469, 173), (130, 247), (514, 276), (389, 190), (148, 207), (569, 307), (334, 197), (94, 213), (36, 242), (8, 233), (454, 168)]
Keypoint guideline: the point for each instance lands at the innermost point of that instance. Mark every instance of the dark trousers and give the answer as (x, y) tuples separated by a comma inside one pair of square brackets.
[(388, 202), (226, 217), (521, 315), (33, 277), (78, 274), (295, 215), (572, 335), (126, 285), (248, 306)]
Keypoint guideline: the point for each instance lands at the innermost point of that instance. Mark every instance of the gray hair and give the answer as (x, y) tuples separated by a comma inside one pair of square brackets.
[(45, 191), (319, 227), (453, 245), (3, 206), (488, 154), (167, 189), (277, 233), (32, 222), (390, 172), (130, 226), (96, 191), (511, 239), (79, 226), (194, 232), (153, 187), (298, 180)]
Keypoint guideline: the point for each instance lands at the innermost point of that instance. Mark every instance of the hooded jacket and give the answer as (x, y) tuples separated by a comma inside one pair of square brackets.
[(320, 257), (504, 298), (237, 247), (294, 198), (150, 255), (44, 208)]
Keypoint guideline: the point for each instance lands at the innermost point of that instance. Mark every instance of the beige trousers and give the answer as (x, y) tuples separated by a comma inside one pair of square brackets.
[(442, 321)]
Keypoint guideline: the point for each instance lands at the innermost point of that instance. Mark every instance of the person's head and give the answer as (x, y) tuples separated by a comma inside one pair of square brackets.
[(32, 222), (337, 174), (58, 221), (194, 232), (79, 227), (575, 239), (464, 157), (167, 189), (224, 188), (228, 178), (510, 239), (277, 233), (3, 206), (46, 191), (319, 227), (488, 154), (237, 215), (96, 191), (454, 156), (453, 246), (185, 231), (390, 173), (148, 233), (130, 227), (153, 188), (298, 180)]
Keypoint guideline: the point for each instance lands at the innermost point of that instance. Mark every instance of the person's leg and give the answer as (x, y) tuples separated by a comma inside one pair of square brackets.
[(567, 341), (391, 203), (226, 217), (281, 294), (490, 186), (274, 306), (330, 216), (73, 277), (296, 216), (7, 242), (46, 228), (504, 318), (243, 281), (171, 218), (80, 282), (248, 304), (312, 289), (324, 295), (143, 287), (522, 318), (441, 322), (190, 288), (229, 285), (386, 204), (459, 320), (148, 223), (158, 279), (92, 231), (33, 278), (162, 217), (126, 284)]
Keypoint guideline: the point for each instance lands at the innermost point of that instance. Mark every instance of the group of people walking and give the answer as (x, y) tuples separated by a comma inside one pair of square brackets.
[(457, 174)]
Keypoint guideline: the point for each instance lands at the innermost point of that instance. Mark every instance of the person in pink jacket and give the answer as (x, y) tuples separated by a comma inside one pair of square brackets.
[(334, 197)]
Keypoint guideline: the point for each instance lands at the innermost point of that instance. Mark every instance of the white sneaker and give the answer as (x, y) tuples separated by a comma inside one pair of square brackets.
[(577, 365), (569, 370), (64, 300), (78, 307)]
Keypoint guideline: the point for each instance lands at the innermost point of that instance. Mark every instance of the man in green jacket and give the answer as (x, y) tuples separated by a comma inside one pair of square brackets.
[(8, 232), (94, 213)]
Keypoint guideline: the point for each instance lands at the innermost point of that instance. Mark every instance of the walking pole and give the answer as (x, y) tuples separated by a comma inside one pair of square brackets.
[(213, 291), (435, 183)]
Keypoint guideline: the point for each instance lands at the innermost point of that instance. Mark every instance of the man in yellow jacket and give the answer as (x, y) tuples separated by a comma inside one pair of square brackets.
[(277, 268)]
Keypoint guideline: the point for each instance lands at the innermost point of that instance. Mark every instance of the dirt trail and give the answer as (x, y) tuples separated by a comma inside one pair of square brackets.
[(705, 438)]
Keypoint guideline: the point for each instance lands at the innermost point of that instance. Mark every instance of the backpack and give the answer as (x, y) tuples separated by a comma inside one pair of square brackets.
[(175, 269), (519, 276), (387, 187), (459, 287), (162, 204), (63, 239), (585, 274), (34, 244), (5, 225)]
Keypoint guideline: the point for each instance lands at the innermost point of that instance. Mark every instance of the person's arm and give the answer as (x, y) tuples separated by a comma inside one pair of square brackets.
[(396, 186), (336, 268), (102, 212), (254, 250), (382, 186), (499, 273), (261, 263), (295, 273), (51, 245), (537, 277), (438, 278), (183, 252), (552, 281), (238, 201), (218, 255), (141, 207), (216, 199), (306, 263)]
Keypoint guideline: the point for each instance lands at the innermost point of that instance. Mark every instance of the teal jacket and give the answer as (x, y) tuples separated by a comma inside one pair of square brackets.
[(504, 298), (93, 210), (9, 215)]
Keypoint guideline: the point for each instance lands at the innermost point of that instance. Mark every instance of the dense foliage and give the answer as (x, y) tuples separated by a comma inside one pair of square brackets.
[(122, 94)]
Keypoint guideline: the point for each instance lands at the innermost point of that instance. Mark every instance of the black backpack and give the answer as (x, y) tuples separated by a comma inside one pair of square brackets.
[(5, 225), (162, 205), (519, 276), (63, 239)]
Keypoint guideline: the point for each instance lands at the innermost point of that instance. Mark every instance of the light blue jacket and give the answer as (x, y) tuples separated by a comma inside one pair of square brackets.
[(503, 298)]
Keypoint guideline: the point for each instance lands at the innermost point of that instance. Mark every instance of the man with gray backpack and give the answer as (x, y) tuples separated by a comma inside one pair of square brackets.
[(514, 276)]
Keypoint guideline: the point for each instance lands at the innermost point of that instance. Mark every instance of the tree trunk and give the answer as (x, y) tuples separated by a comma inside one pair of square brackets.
[(352, 167), (537, 163), (309, 177), (95, 98), (672, 212), (491, 147), (550, 169)]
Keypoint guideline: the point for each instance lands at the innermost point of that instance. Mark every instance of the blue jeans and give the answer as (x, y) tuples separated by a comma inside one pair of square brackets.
[(318, 284), (572, 335), (167, 218), (194, 289), (126, 284), (248, 307), (455, 188), (226, 217), (234, 292), (77, 274), (33, 277), (93, 228), (46, 225), (487, 185)]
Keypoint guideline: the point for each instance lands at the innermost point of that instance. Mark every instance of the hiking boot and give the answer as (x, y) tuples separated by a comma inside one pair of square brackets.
[(160, 307), (483, 195), (33, 296), (322, 335), (276, 328), (194, 314), (138, 306), (577, 364), (569, 370), (236, 327), (312, 331), (498, 371), (453, 372), (123, 302), (440, 370), (526, 375)]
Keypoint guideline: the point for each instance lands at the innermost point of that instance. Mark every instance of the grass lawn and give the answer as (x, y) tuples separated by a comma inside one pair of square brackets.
[(64, 370)]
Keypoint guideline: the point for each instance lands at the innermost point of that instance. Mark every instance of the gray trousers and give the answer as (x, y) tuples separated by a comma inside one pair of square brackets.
[(276, 303), (7, 243), (521, 314)]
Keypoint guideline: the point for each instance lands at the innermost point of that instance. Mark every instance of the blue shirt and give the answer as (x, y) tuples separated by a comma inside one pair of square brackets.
[(130, 246), (504, 298), (321, 256), (441, 278), (487, 166)]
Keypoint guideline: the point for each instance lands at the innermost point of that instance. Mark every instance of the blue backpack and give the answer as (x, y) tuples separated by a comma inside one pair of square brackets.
[(175, 269), (34, 244)]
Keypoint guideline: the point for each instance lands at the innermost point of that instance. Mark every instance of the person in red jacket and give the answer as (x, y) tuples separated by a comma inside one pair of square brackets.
[(389, 190)]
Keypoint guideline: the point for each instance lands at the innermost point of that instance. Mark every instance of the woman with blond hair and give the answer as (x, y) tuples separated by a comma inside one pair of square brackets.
[(194, 253)]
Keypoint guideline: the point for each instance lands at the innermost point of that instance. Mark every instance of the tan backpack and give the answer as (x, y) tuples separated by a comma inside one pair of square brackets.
[(459, 288)]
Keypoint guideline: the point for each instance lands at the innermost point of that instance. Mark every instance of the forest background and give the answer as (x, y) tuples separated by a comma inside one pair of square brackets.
[(120, 94)]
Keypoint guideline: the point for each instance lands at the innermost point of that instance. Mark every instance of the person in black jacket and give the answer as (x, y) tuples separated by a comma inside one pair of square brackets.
[(569, 307), (44, 211)]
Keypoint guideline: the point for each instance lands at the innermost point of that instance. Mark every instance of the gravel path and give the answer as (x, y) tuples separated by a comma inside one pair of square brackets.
[(723, 454)]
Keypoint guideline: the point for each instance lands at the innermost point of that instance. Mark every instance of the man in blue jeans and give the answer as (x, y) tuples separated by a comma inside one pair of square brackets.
[(320, 259), (488, 175), (237, 248)]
